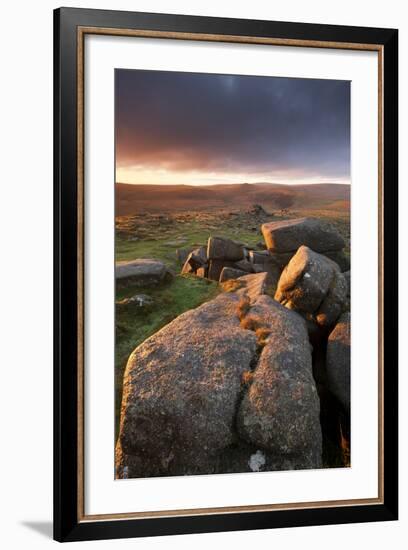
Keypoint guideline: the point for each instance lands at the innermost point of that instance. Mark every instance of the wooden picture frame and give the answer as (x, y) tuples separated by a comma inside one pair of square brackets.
[(70, 27)]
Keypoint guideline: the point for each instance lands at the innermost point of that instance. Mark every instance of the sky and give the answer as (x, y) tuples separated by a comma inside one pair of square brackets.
[(201, 129)]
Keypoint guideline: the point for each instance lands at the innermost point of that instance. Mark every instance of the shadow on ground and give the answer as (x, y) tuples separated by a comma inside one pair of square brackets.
[(44, 528)]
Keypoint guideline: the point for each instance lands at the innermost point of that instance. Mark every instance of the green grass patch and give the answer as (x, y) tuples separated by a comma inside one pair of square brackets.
[(187, 235)]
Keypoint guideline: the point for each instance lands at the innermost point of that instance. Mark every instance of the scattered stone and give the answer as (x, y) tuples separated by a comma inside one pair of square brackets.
[(289, 235), (338, 361), (143, 272), (220, 248), (228, 273), (140, 300), (280, 411)]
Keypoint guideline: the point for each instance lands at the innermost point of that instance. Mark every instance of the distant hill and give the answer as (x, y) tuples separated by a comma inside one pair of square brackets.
[(131, 199)]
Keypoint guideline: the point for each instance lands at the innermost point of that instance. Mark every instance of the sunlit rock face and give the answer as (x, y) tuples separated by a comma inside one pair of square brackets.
[(289, 235), (313, 285)]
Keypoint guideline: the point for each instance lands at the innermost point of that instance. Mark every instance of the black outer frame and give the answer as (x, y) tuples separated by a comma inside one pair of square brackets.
[(66, 524)]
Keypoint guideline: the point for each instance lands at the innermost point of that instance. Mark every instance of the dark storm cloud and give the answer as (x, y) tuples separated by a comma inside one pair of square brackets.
[(186, 121)]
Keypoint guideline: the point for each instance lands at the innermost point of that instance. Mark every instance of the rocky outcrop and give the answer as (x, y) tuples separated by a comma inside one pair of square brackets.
[(142, 272), (224, 259), (280, 411), (230, 386), (186, 408), (338, 361), (313, 285), (289, 235)]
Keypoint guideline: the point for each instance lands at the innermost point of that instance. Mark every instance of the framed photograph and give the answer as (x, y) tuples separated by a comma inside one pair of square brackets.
[(225, 274)]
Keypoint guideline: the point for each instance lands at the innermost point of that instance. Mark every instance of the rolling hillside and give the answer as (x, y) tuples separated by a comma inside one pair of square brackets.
[(132, 199)]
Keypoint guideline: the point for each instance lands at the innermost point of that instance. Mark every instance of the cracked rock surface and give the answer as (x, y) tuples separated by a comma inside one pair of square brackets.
[(185, 409), (280, 411)]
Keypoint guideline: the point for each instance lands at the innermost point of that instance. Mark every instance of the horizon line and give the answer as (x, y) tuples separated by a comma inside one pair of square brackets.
[(238, 183)]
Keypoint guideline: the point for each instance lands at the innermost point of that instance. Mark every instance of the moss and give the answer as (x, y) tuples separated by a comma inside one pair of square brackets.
[(244, 305)]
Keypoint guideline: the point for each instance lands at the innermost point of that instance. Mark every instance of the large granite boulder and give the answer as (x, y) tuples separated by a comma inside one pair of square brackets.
[(280, 411), (312, 284), (184, 391), (338, 361), (220, 248), (142, 272), (182, 386), (289, 235)]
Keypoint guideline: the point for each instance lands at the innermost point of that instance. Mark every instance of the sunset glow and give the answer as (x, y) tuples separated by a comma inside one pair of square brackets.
[(199, 129)]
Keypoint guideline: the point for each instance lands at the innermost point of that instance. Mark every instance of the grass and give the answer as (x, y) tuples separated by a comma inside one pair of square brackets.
[(243, 307), (134, 323), (161, 241), (162, 250)]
